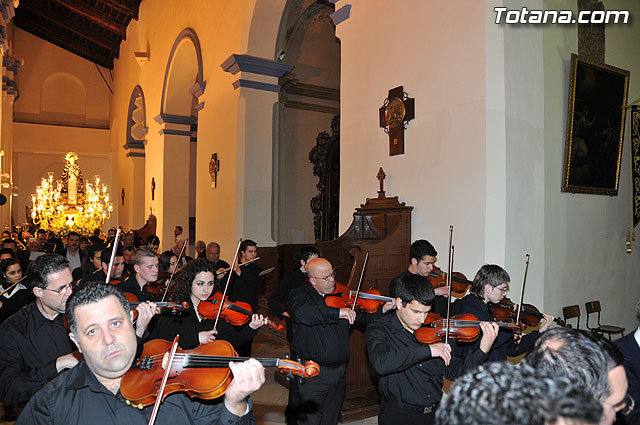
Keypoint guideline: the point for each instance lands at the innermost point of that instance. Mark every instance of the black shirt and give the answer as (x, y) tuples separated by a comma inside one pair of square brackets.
[(504, 344), (77, 397), (30, 345), (278, 300), (11, 305), (131, 286), (188, 326), (246, 286), (407, 371), (318, 333), (439, 305)]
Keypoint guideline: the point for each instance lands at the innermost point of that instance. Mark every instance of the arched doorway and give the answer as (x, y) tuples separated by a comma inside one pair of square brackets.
[(132, 191)]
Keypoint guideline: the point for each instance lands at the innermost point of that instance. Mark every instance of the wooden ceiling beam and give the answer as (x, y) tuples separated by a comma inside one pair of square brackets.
[(95, 16), (47, 33), (69, 25)]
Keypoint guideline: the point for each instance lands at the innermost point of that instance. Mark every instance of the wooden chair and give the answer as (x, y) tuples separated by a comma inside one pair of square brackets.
[(594, 307), (571, 312)]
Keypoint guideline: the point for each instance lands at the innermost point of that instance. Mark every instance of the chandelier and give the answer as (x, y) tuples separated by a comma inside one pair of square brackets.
[(70, 204)]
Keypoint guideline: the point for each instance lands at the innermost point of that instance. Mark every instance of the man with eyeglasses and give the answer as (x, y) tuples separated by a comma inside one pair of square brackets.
[(423, 259), (35, 344), (589, 360), (629, 346), (490, 285), (321, 334)]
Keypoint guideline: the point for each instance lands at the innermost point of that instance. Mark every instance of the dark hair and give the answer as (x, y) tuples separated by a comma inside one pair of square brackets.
[(638, 312), (184, 278), (305, 253), (246, 244), (90, 294), (141, 253), (4, 265), (420, 248), (128, 248), (164, 261), (179, 228), (152, 239), (87, 261), (500, 393), (582, 356), (491, 274), (105, 256), (9, 240), (72, 233), (41, 232), (84, 239), (8, 251), (40, 269), (7, 232), (411, 287)]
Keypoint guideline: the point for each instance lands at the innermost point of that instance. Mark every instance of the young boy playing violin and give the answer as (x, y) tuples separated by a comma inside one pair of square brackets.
[(101, 328), (410, 372), (490, 285)]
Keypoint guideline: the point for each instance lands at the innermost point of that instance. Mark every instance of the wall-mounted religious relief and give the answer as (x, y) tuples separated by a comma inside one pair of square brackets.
[(395, 113), (325, 157)]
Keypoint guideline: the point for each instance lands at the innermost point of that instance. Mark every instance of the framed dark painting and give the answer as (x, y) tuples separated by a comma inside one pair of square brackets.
[(595, 127)]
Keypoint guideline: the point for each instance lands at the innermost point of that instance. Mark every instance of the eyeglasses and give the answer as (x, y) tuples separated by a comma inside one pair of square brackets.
[(505, 289), (327, 277), (60, 290), (625, 406)]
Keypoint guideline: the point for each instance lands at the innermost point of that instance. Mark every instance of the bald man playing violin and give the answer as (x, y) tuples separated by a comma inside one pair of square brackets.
[(101, 328), (321, 334), (410, 372)]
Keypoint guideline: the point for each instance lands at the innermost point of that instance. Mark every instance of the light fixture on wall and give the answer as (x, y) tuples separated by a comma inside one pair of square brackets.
[(69, 204), (142, 58)]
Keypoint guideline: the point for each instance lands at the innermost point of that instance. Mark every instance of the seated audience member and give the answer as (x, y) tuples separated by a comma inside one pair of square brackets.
[(629, 346), (84, 243), (586, 359), (128, 239), (181, 246), (72, 252), (7, 253), (153, 243), (101, 327), (200, 249), (17, 295), (500, 393)]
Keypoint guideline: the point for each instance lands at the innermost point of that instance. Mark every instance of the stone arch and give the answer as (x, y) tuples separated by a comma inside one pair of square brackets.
[(179, 75), (137, 130)]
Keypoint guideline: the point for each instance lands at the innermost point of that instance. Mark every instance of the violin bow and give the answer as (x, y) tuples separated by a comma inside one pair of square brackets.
[(364, 265), (449, 273), (524, 282), (223, 271), (12, 285), (156, 405), (224, 294), (166, 289), (114, 249)]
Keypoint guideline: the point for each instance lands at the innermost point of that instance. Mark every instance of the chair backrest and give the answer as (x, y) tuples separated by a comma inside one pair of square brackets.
[(572, 312), (592, 307)]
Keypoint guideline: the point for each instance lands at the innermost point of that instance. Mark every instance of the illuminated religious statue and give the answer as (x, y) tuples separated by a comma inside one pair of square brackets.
[(69, 204)]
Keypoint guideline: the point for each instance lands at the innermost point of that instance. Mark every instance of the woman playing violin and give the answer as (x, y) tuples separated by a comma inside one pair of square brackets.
[(194, 284), (490, 285), (167, 262)]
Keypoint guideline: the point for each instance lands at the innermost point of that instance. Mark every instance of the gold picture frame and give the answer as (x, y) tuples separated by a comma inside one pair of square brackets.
[(595, 127)]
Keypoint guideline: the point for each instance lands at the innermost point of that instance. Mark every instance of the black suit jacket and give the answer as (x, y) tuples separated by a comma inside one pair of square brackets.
[(630, 350)]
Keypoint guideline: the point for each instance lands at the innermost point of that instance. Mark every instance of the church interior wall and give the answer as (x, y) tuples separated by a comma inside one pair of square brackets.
[(63, 106), (436, 51), (585, 252)]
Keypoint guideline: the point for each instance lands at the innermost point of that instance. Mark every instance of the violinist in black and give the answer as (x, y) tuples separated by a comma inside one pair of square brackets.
[(145, 264), (195, 284), (490, 285), (321, 334), (410, 373)]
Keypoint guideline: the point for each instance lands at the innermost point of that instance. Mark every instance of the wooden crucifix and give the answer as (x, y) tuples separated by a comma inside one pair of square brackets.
[(381, 176), (395, 113), (153, 189)]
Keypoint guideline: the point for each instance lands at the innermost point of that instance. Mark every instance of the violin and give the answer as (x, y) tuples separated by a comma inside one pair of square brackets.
[(459, 283), (158, 287), (369, 300), (139, 385), (529, 316), (237, 313), (168, 306), (463, 327)]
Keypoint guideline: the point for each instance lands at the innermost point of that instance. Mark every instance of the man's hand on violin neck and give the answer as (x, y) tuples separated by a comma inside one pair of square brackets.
[(546, 322), (206, 337), (248, 377), (441, 350), (348, 314), (389, 305), (442, 290), (146, 311), (489, 335)]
